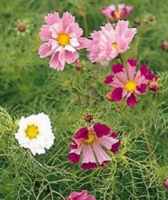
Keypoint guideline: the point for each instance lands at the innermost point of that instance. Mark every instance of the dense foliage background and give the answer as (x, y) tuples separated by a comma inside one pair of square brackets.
[(28, 85)]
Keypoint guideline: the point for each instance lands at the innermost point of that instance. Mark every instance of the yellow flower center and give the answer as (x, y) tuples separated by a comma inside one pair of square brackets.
[(117, 14), (130, 86), (32, 131), (63, 39), (114, 45), (91, 138)]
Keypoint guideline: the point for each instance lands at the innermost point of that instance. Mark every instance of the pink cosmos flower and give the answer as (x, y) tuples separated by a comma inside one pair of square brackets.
[(83, 195), (110, 41), (126, 83), (61, 40), (112, 12), (90, 146), (153, 84)]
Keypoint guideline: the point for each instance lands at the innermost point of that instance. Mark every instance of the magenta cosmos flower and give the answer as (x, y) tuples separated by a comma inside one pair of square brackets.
[(83, 195), (112, 12), (110, 41), (90, 146), (61, 40), (126, 83)]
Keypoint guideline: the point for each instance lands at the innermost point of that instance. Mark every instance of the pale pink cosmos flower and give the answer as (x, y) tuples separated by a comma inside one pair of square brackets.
[(91, 146), (122, 11), (83, 195), (127, 83), (110, 41), (61, 39)]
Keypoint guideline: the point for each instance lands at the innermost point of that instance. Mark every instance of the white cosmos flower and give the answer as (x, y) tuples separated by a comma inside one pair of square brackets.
[(35, 133)]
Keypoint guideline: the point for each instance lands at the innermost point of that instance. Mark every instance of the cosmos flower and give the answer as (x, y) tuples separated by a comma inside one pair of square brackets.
[(112, 12), (61, 40), (35, 133), (126, 83), (110, 41), (153, 84), (83, 195), (91, 146)]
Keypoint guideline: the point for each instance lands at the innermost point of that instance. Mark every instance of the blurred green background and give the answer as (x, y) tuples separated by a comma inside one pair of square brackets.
[(28, 85)]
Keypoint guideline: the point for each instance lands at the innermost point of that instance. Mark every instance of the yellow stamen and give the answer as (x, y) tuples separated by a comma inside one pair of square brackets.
[(130, 86), (117, 14), (63, 39), (114, 45), (91, 138), (32, 131)]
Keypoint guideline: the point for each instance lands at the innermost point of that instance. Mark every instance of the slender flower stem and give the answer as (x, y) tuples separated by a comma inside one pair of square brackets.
[(121, 59)]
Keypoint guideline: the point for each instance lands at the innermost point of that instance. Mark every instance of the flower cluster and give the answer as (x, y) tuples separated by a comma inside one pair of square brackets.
[(62, 38), (91, 146)]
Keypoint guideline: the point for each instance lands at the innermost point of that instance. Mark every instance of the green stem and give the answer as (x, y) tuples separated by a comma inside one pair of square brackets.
[(121, 59)]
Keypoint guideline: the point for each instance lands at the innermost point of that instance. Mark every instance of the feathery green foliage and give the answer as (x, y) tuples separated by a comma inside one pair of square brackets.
[(29, 86)]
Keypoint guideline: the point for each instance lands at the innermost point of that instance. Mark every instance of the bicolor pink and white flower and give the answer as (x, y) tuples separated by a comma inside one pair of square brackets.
[(91, 146), (126, 83), (153, 84), (121, 11), (110, 41), (83, 195), (61, 39)]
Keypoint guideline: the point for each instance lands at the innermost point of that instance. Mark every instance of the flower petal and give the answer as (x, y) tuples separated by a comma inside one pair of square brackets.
[(108, 142), (88, 158), (131, 68), (45, 33), (101, 155), (55, 62), (108, 80), (74, 156), (71, 57), (74, 42), (117, 94), (116, 68), (132, 101), (82, 133), (69, 48), (142, 88), (101, 129), (45, 50), (52, 18)]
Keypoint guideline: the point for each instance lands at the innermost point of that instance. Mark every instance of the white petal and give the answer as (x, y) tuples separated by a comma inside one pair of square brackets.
[(74, 42), (54, 45), (70, 48), (55, 30), (59, 48)]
